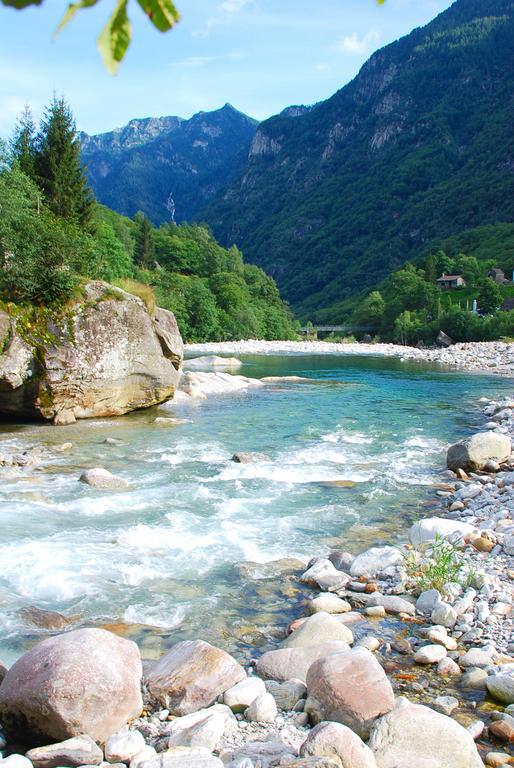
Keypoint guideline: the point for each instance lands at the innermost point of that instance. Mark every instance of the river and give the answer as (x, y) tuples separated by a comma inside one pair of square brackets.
[(353, 455)]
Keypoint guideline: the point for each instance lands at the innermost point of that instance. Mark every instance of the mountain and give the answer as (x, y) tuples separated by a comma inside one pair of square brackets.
[(154, 164), (418, 147)]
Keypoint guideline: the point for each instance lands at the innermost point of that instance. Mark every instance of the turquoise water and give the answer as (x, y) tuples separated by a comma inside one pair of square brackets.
[(160, 560)]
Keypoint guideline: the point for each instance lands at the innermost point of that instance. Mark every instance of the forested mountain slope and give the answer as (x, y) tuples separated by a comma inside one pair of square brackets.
[(418, 147), (168, 167)]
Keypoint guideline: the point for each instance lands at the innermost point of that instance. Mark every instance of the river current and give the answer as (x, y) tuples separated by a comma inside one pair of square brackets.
[(353, 457)]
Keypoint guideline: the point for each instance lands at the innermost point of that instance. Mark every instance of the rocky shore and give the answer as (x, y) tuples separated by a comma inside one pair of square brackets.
[(491, 356), (436, 693)]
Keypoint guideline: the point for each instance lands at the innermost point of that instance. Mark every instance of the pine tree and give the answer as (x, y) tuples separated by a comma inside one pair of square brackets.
[(143, 256), (23, 143), (58, 165)]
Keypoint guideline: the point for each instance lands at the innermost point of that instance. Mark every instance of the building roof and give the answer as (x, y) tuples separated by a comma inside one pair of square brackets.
[(449, 277)]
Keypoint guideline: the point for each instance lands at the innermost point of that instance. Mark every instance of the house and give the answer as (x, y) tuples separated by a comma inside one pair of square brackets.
[(498, 275), (449, 282)]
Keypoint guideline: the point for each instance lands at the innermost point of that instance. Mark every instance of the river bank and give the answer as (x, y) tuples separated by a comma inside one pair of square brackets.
[(491, 356), (428, 648)]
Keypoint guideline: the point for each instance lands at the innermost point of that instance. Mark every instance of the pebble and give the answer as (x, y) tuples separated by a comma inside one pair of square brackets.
[(430, 654), (445, 704), (262, 710)]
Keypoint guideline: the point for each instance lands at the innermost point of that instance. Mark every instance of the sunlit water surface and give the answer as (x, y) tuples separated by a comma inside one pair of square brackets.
[(159, 561)]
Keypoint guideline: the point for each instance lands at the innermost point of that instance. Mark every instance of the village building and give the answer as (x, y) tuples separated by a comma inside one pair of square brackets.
[(498, 275), (449, 282)]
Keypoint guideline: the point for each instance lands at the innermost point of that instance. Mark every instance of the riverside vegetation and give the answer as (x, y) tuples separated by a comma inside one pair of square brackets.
[(55, 237)]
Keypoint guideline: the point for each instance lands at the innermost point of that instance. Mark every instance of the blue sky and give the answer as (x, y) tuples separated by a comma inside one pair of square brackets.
[(259, 55)]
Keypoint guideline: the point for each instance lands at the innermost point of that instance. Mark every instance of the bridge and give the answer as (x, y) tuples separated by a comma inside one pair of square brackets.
[(315, 329)]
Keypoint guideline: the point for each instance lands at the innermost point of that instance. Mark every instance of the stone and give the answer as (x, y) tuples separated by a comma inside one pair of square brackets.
[(416, 736), (430, 654), (501, 687), (241, 695), (445, 704), (293, 663), (87, 681), (349, 688), (314, 762), (183, 757), (336, 740), (427, 601), (341, 560), (166, 328), (249, 457), (80, 750), (16, 761), (329, 603), (392, 603), (448, 668), (474, 679), (266, 754), (502, 730), (431, 527), (498, 759), (474, 452), (437, 635), (445, 615), (3, 671), (191, 676), (288, 694), (146, 753), (262, 710), (376, 559), (375, 611), (121, 747), (53, 620), (103, 479), (203, 728), (318, 628), (369, 642), (475, 657), (103, 357), (482, 544), (324, 575)]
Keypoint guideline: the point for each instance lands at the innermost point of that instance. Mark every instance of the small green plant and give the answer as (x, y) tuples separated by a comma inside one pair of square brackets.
[(144, 292), (437, 566)]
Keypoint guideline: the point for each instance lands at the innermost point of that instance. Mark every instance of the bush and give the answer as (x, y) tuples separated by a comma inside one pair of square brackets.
[(142, 291)]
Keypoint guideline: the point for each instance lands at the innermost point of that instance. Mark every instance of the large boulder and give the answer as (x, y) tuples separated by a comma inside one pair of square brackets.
[(317, 629), (337, 741), (80, 750), (414, 735), (104, 356), (87, 681), (431, 528), (349, 688), (286, 664), (474, 452), (192, 676), (376, 559)]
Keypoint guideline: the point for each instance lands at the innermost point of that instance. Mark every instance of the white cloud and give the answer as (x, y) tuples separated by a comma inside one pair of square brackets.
[(233, 6), (357, 46), (194, 62), (322, 67)]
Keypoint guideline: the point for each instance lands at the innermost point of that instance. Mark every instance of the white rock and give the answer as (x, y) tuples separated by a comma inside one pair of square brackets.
[(103, 479), (203, 728), (262, 710), (122, 746), (318, 628), (16, 761), (444, 614), (146, 753), (445, 704), (501, 687), (476, 658), (376, 559), (324, 574), (337, 741), (430, 654), (437, 635), (329, 603), (431, 527), (427, 601), (79, 750), (240, 696)]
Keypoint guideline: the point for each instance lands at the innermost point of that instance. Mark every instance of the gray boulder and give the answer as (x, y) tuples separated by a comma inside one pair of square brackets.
[(317, 629), (87, 681), (293, 663), (474, 452), (103, 479), (80, 750), (191, 676), (413, 735), (372, 561), (105, 356), (337, 741), (249, 457), (501, 687), (349, 688)]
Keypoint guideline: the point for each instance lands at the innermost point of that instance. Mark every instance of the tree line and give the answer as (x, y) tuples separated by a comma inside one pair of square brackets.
[(54, 237)]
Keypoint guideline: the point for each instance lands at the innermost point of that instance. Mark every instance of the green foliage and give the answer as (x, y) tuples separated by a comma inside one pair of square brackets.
[(489, 296), (58, 167), (23, 143), (437, 565), (143, 254)]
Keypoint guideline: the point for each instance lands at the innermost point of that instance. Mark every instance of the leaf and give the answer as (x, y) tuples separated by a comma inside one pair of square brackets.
[(162, 13), (114, 39), (71, 11), (20, 3)]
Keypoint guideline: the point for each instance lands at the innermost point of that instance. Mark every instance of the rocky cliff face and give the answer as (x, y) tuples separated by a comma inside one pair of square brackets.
[(105, 356), (168, 167)]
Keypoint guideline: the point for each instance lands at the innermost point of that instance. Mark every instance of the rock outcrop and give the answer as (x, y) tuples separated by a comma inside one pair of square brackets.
[(104, 356), (474, 452), (85, 682)]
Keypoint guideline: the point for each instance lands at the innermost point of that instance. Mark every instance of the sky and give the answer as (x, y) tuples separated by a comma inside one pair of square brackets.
[(259, 55)]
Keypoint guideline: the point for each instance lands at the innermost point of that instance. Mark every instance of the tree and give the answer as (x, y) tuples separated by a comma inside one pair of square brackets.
[(23, 143), (370, 311), (489, 296), (143, 255), (58, 165), (431, 269)]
